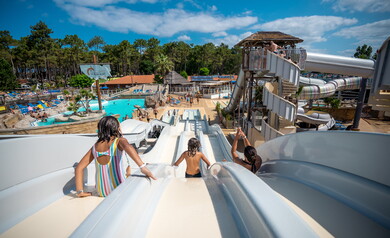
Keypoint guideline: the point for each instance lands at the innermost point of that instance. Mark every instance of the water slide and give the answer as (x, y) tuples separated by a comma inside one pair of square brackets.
[(237, 92), (320, 63), (228, 201), (339, 179)]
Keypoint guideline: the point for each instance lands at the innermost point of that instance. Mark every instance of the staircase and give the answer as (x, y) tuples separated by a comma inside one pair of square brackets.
[(289, 73), (380, 101)]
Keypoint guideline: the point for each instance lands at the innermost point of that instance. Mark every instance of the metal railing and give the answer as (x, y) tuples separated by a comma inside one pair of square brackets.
[(278, 105), (269, 132), (256, 59)]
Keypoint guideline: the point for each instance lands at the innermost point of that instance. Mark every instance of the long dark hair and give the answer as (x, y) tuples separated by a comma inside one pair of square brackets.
[(251, 154), (193, 146), (108, 126)]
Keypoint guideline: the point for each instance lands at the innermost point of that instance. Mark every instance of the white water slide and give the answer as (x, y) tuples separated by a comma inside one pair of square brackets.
[(37, 179), (319, 63)]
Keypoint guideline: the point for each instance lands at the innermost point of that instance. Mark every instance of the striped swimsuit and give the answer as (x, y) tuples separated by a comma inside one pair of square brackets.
[(110, 175)]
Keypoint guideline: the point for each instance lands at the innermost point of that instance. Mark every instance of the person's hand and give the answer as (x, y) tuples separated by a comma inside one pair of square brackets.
[(83, 194), (147, 172), (238, 132), (242, 134)]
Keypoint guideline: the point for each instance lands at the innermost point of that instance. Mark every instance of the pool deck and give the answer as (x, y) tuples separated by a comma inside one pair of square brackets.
[(207, 106)]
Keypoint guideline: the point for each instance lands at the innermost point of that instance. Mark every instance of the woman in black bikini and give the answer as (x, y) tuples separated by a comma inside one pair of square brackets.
[(253, 161), (192, 157)]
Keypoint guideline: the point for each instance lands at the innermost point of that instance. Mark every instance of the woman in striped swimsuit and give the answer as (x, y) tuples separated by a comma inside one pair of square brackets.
[(107, 152)]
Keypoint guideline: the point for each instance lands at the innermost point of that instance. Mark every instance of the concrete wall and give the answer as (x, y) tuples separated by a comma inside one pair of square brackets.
[(81, 127), (255, 137), (341, 114)]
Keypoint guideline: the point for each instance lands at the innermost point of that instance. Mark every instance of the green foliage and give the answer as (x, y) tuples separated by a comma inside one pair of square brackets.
[(163, 64), (184, 74), (146, 67), (258, 94), (204, 71), (96, 43), (39, 57), (158, 79), (81, 99), (300, 89), (65, 92), (7, 77), (74, 107), (218, 107), (80, 81), (333, 102), (363, 52)]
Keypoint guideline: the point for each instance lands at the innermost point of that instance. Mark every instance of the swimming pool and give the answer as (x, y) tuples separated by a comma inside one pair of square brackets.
[(122, 107)]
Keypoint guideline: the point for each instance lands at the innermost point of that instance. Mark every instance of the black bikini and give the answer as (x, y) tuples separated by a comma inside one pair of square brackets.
[(198, 175)]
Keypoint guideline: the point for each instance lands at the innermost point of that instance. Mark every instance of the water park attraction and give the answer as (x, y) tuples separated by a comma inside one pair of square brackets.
[(311, 184)]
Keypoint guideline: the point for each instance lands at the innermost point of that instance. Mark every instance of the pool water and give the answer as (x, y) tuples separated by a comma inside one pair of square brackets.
[(122, 107)]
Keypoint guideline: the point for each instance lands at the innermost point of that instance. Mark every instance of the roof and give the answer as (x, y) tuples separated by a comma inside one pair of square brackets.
[(197, 78), (174, 78), (264, 37), (131, 79)]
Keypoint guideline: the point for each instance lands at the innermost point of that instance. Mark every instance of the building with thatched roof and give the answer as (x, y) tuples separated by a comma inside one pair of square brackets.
[(263, 38), (129, 81), (173, 78)]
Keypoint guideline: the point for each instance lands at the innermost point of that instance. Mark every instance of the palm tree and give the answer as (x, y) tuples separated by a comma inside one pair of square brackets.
[(163, 64)]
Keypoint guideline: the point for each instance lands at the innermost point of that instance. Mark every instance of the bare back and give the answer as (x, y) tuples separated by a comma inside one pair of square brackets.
[(192, 162)]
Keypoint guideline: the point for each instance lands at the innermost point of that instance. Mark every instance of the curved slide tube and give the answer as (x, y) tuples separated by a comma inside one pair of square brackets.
[(328, 89), (311, 81), (339, 65), (313, 117), (316, 169), (237, 92)]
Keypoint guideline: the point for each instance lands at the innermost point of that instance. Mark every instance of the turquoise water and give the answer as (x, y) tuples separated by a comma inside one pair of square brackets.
[(122, 107)]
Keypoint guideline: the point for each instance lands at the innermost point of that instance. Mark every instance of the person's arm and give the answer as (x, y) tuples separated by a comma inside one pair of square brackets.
[(182, 157), (246, 141), (234, 146), (79, 173), (204, 158), (129, 149), (236, 158)]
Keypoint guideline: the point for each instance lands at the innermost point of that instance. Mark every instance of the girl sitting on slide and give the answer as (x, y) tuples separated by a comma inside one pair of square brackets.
[(253, 160), (107, 153)]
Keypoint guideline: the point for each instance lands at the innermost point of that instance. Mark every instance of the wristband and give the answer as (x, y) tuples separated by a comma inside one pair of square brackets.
[(79, 191), (143, 165)]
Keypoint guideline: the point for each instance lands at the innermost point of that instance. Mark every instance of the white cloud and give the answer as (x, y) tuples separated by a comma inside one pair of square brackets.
[(99, 3), (167, 23), (311, 29), (184, 38), (348, 52), (360, 5), (371, 34), (230, 40), (220, 33), (213, 8)]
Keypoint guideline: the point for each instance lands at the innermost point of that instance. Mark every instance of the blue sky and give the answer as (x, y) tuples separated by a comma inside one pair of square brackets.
[(326, 26)]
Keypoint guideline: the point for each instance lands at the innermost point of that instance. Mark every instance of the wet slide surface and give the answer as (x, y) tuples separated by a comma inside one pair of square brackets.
[(186, 210), (59, 219)]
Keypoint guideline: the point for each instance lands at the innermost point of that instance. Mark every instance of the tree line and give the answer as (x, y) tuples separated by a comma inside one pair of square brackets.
[(42, 59)]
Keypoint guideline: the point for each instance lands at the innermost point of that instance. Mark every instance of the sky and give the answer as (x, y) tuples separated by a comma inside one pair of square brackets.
[(327, 26)]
